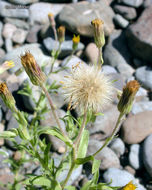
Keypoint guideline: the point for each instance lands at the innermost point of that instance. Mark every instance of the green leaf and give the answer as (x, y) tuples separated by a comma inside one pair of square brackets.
[(96, 165), (41, 181), (70, 188), (83, 144), (95, 177), (83, 160), (87, 185), (7, 134)]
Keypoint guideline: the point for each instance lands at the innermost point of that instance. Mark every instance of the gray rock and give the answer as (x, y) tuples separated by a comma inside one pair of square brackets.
[(10, 10), (147, 3), (5, 155), (147, 154), (134, 156), (139, 36), (144, 76), (141, 107), (36, 51), (8, 30), (127, 12), (107, 69), (77, 17), (8, 45), (17, 22), (20, 2), (66, 46), (119, 177), (118, 146), (141, 92), (107, 156), (1, 40), (132, 3), (19, 36), (43, 8), (2, 53), (116, 54), (0, 115), (91, 52), (120, 21), (32, 36)]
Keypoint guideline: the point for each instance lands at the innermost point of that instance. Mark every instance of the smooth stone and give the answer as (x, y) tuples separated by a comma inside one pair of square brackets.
[(21, 2), (117, 177), (118, 146), (141, 107), (132, 3), (104, 124), (1, 40), (19, 36), (134, 156), (17, 22), (130, 169), (2, 53), (128, 13), (8, 10), (91, 52), (66, 46), (120, 21), (77, 17), (35, 49), (8, 30), (147, 154), (144, 76), (6, 154), (139, 36), (134, 130), (147, 3), (107, 69), (39, 12), (107, 156), (8, 45), (141, 92), (32, 36), (2, 127), (116, 54)]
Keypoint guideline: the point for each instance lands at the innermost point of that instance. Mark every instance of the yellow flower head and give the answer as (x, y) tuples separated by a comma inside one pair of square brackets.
[(76, 40), (6, 65), (51, 19), (32, 69), (50, 15), (127, 97), (129, 186), (61, 34), (98, 32)]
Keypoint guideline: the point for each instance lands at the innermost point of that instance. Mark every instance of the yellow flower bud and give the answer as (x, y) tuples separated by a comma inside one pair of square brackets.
[(98, 32), (127, 97), (61, 34), (34, 72), (76, 40), (7, 96), (51, 19)]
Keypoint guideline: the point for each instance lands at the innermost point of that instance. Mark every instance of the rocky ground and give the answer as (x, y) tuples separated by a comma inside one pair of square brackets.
[(127, 55)]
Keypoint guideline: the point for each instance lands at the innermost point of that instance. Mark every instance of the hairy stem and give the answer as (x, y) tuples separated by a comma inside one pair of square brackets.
[(112, 135)]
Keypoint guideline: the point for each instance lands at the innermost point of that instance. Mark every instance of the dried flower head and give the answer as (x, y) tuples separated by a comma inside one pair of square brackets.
[(87, 87), (98, 32), (34, 72), (51, 19), (7, 96), (76, 40), (127, 97), (61, 34), (129, 186), (6, 65)]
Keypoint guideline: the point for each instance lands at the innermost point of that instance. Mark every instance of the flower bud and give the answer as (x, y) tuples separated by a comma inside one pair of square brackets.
[(51, 19), (127, 97), (34, 72), (76, 40), (61, 34), (7, 96), (98, 32)]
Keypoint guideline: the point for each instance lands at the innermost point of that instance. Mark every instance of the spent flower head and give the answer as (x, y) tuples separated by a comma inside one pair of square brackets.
[(61, 34), (75, 40), (34, 72), (51, 19), (127, 97), (87, 87), (98, 32), (129, 186), (7, 96), (6, 65)]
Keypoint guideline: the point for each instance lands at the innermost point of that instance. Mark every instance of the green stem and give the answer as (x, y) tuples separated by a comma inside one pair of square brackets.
[(112, 135)]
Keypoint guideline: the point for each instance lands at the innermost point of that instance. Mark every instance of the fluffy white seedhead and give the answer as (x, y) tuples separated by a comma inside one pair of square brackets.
[(87, 87)]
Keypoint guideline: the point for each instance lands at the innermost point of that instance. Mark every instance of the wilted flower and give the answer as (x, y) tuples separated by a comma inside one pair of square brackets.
[(129, 186), (127, 97), (87, 87), (7, 96), (51, 19), (34, 72), (61, 34), (98, 32), (6, 65), (76, 40)]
